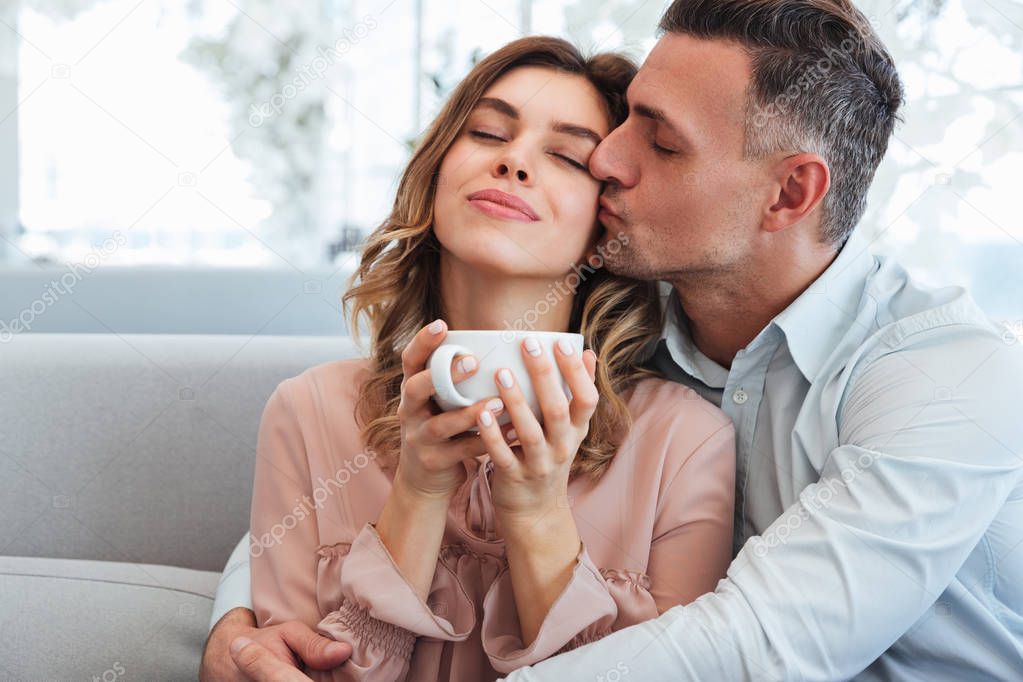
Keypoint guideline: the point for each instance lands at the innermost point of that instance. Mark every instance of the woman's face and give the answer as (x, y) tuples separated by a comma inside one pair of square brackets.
[(514, 194)]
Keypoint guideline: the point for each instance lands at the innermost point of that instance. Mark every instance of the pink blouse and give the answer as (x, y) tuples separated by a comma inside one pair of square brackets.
[(656, 532)]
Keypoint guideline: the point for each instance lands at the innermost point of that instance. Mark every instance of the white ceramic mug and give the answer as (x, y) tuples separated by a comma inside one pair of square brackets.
[(493, 349)]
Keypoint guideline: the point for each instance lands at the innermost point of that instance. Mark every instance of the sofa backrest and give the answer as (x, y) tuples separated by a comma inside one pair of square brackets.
[(137, 448), (172, 300)]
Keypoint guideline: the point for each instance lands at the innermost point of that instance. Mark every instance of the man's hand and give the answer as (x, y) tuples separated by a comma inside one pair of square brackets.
[(271, 653)]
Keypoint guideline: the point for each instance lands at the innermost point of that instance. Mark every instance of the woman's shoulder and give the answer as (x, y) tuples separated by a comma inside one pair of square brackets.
[(659, 398), (674, 416), (334, 371), (332, 383)]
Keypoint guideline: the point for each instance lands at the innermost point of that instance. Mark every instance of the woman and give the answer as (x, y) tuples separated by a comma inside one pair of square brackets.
[(440, 554)]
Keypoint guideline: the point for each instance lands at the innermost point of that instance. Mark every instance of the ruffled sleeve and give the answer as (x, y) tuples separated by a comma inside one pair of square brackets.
[(593, 604), (689, 552), (378, 612), (381, 615)]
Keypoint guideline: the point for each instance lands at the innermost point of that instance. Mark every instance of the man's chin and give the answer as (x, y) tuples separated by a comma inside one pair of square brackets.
[(615, 263)]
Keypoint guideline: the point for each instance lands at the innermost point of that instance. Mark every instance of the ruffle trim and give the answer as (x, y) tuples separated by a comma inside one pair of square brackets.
[(394, 640)]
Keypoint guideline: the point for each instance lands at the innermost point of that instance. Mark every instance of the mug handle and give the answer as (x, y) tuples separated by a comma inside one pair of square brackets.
[(440, 373)]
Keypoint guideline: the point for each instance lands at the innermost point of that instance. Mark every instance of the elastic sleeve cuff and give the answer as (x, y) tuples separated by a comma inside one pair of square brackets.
[(391, 639), (583, 612), (372, 583)]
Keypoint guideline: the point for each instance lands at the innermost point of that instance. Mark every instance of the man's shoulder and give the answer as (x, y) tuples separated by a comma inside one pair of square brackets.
[(908, 314), (929, 342)]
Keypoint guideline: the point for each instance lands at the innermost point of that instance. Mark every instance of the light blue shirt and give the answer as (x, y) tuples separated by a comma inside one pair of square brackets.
[(879, 497), (235, 586), (879, 430)]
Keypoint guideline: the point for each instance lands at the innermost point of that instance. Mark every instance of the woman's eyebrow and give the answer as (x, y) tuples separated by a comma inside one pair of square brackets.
[(501, 106)]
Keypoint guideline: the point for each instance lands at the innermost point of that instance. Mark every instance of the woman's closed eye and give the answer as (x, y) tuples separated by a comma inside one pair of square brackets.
[(491, 137), (570, 161), (484, 135)]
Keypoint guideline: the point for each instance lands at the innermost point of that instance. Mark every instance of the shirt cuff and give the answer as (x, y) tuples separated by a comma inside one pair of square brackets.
[(235, 587), (583, 612)]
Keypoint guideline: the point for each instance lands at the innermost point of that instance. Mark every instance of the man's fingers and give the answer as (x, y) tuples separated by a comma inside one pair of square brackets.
[(318, 652), (260, 664)]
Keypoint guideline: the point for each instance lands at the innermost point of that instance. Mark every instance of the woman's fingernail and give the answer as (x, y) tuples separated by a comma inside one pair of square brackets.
[(467, 364), (511, 435), (532, 346), (495, 405), (239, 643), (485, 418), (505, 377), (565, 346), (436, 327)]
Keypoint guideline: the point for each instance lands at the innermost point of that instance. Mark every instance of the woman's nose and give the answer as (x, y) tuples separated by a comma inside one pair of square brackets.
[(512, 168)]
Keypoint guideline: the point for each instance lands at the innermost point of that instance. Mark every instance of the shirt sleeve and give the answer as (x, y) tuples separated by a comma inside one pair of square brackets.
[(235, 588), (689, 554), (380, 614), (926, 432)]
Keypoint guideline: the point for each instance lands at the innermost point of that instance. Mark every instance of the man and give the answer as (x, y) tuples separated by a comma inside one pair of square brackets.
[(879, 523)]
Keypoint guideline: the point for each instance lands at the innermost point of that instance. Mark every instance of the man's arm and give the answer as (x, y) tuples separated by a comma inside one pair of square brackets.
[(925, 434), (277, 645), (235, 587)]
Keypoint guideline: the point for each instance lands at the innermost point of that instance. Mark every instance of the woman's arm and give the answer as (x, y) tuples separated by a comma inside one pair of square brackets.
[(542, 554), (564, 603), (379, 613), (411, 526)]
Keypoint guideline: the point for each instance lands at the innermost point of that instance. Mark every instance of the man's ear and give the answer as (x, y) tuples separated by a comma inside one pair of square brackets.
[(802, 180)]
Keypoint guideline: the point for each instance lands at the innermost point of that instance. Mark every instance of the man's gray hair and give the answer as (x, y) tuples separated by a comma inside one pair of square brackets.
[(822, 82)]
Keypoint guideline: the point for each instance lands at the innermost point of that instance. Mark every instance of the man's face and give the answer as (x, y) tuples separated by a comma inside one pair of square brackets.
[(678, 186)]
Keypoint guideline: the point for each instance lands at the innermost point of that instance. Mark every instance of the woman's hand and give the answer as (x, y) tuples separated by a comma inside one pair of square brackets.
[(430, 470), (530, 478), (434, 444)]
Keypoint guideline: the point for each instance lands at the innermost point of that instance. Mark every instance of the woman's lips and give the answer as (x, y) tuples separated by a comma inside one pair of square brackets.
[(502, 205)]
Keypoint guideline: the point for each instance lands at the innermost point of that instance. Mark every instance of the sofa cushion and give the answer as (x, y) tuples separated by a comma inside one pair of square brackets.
[(137, 448), (68, 619)]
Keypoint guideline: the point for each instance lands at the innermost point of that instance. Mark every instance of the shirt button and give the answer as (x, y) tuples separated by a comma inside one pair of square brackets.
[(739, 397)]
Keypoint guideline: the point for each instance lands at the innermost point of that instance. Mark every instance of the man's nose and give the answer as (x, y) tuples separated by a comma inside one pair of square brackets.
[(609, 163)]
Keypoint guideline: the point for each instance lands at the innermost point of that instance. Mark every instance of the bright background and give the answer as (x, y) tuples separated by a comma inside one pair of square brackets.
[(152, 118)]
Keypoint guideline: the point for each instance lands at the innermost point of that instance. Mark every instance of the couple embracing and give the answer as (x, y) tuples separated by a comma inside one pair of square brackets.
[(778, 456)]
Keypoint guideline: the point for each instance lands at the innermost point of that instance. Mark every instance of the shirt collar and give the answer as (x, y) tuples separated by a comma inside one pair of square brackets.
[(816, 321), (676, 339), (813, 324)]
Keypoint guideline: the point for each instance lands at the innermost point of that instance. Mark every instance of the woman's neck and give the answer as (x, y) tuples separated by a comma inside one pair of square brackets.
[(478, 299)]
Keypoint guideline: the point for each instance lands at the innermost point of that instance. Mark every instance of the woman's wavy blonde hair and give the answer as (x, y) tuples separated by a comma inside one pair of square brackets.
[(396, 286)]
